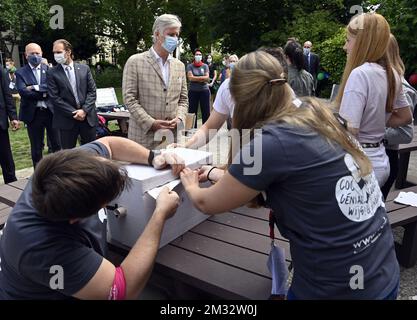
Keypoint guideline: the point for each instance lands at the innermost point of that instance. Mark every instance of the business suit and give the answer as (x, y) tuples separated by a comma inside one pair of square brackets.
[(149, 99), (36, 110), (65, 103), (7, 111), (312, 65)]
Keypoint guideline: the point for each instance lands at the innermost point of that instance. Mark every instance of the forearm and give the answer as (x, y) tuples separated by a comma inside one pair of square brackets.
[(199, 138), (90, 101), (183, 102), (89, 104), (400, 117), (126, 150), (138, 264), (139, 114), (193, 78)]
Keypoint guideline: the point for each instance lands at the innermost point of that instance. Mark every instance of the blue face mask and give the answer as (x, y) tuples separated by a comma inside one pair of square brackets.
[(170, 44), (232, 65), (35, 60)]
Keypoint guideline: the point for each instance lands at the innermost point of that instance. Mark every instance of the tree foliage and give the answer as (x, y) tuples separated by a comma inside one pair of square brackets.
[(16, 17), (401, 14)]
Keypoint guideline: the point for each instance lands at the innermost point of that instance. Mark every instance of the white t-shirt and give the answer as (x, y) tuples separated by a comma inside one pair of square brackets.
[(364, 101), (224, 103)]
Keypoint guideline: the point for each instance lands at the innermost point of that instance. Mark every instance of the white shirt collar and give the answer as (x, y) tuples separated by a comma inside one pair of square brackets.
[(158, 58), (69, 65), (36, 68)]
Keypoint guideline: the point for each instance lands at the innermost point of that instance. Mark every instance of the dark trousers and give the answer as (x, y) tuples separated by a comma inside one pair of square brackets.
[(36, 133), (201, 98), (82, 129), (6, 157), (393, 157)]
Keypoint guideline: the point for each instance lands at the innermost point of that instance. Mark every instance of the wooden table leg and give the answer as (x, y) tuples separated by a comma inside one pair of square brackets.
[(407, 251), (401, 181)]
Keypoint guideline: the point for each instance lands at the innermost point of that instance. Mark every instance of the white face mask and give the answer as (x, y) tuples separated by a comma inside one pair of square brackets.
[(198, 58), (209, 60), (60, 58)]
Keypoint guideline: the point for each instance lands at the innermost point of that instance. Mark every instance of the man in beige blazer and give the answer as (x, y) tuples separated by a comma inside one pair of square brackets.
[(155, 87)]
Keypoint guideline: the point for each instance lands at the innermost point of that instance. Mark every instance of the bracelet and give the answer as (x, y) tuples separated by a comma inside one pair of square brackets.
[(208, 174)]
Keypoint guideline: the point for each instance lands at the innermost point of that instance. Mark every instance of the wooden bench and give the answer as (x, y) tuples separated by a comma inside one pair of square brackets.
[(404, 159), (400, 215), (225, 257)]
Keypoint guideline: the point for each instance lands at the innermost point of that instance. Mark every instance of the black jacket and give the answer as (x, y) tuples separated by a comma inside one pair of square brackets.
[(63, 99), (314, 66), (30, 98), (7, 106)]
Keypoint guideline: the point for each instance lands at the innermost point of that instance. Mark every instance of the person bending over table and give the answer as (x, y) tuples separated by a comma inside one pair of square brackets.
[(54, 229)]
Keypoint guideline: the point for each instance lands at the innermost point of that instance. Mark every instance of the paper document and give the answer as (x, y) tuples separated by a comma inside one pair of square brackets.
[(408, 198), (154, 193)]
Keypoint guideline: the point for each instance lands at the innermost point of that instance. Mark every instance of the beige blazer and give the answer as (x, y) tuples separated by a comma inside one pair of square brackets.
[(147, 99)]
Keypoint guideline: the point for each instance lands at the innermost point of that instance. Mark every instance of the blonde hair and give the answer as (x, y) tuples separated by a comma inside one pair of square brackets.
[(259, 101), (372, 33), (393, 53)]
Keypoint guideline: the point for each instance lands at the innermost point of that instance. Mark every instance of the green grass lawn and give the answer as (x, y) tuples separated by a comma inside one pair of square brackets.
[(20, 143)]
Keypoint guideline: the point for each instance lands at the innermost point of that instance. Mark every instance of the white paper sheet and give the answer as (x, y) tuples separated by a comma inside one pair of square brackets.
[(154, 193), (408, 198)]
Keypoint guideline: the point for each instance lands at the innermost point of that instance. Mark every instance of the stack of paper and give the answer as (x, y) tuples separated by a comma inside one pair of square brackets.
[(408, 198)]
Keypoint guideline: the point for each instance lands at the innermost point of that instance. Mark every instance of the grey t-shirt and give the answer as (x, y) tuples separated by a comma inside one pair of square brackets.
[(335, 221), (301, 82), (364, 100), (198, 72), (33, 249)]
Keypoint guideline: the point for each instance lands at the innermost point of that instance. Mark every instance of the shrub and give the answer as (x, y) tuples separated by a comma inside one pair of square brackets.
[(109, 77), (332, 55)]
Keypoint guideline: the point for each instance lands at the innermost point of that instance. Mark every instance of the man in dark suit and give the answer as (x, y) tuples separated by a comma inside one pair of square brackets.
[(72, 90), (7, 111), (311, 61), (36, 109)]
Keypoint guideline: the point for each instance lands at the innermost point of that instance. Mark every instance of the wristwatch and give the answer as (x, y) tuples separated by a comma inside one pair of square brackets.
[(152, 155)]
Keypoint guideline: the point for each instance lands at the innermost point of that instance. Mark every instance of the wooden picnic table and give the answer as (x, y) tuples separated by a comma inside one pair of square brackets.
[(404, 152), (122, 118), (225, 256)]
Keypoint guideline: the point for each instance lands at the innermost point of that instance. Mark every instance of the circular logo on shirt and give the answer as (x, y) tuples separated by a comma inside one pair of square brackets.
[(358, 198)]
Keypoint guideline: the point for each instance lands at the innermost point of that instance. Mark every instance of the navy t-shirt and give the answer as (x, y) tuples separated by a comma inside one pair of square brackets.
[(198, 72), (34, 250), (336, 222)]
